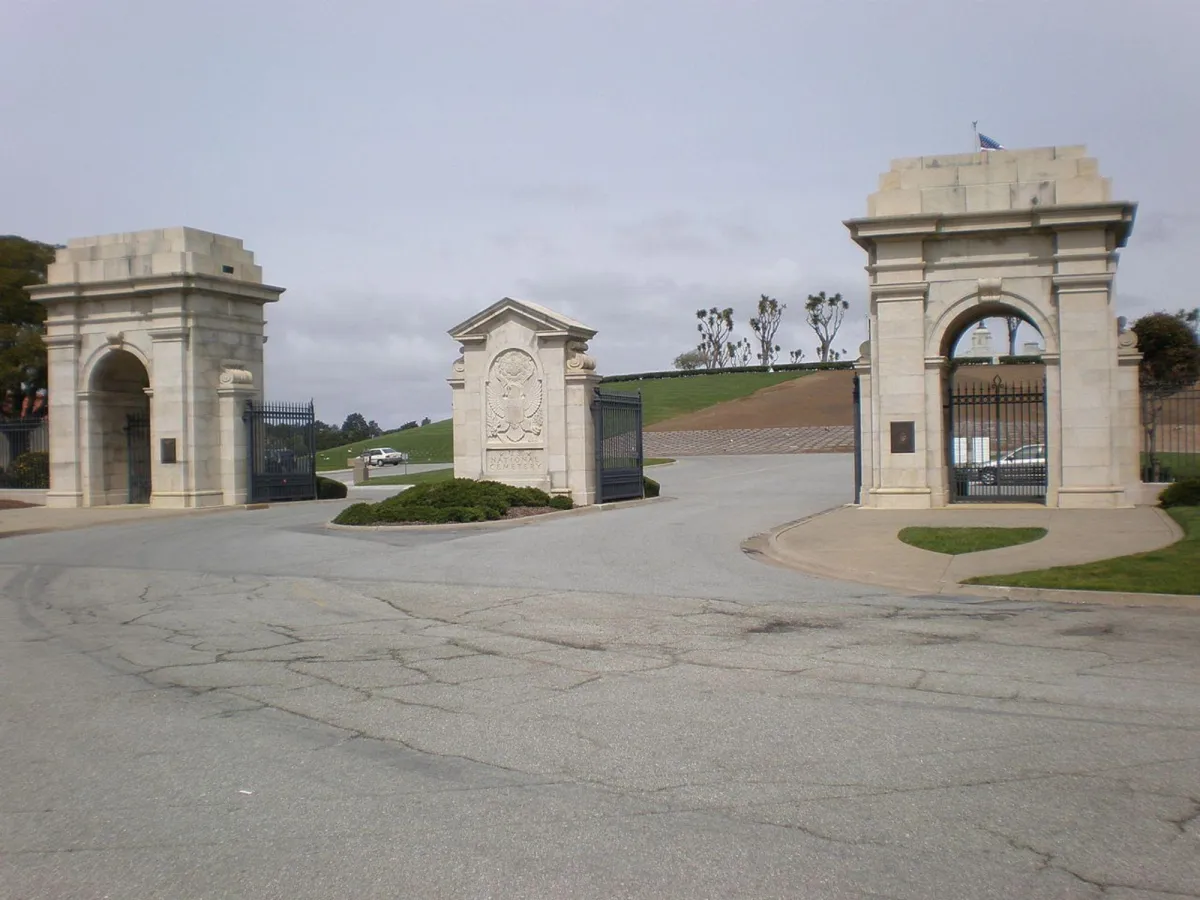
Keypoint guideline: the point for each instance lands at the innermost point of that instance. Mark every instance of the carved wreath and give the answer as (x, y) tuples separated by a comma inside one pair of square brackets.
[(514, 398)]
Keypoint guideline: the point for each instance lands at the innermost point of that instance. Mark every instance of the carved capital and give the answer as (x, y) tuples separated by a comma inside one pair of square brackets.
[(235, 374), (578, 359), (1127, 343)]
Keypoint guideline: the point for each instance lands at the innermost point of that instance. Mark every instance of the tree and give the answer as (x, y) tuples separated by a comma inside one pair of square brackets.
[(328, 436), (22, 352), (407, 425), (355, 429), (796, 356), (425, 421), (765, 325), (1170, 362), (689, 361), (738, 353), (1012, 323), (715, 327), (825, 315), (1191, 317)]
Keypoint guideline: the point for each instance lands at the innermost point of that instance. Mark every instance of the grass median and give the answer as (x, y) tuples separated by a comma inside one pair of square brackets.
[(954, 541), (1170, 570)]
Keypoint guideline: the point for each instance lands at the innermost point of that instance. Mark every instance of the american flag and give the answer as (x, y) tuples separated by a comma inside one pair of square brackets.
[(987, 143)]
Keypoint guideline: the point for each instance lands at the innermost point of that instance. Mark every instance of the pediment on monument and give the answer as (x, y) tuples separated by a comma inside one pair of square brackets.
[(541, 320)]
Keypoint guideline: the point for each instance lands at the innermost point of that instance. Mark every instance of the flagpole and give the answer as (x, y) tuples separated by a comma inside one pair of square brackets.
[(975, 128)]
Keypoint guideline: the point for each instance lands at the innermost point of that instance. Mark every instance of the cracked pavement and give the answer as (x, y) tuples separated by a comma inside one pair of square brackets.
[(619, 704)]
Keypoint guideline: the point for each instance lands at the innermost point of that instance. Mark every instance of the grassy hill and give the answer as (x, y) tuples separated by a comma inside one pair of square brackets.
[(662, 398), (666, 398), (429, 443)]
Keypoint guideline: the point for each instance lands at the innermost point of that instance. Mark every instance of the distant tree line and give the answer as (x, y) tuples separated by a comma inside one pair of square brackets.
[(720, 348), (356, 428)]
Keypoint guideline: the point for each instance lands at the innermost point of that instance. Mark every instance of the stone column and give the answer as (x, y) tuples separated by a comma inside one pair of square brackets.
[(581, 379), (898, 360), (1128, 442), (236, 388), (866, 429), (169, 414), (63, 418), (1087, 364), (936, 457)]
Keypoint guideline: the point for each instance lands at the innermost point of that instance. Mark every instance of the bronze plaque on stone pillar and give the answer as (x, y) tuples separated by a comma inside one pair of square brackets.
[(904, 437)]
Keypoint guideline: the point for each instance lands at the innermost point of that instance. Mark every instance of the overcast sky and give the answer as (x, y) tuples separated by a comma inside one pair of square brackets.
[(398, 166)]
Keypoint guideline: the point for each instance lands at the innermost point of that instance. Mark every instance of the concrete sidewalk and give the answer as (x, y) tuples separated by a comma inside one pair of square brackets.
[(41, 519), (861, 545)]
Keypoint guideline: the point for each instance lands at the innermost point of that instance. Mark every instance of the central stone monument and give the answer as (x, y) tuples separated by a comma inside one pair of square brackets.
[(522, 400)]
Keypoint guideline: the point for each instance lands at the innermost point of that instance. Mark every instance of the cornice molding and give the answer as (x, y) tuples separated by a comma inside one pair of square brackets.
[(1115, 216)]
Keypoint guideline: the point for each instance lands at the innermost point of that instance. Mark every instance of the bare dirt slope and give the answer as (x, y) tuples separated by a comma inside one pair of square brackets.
[(822, 398)]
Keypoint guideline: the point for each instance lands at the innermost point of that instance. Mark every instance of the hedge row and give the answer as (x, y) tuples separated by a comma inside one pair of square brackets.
[(700, 373)]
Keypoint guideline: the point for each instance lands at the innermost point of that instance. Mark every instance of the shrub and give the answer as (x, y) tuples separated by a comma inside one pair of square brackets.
[(456, 500), (28, 470), (328, 489), (650, 487), (1181, 493), (357, 514)]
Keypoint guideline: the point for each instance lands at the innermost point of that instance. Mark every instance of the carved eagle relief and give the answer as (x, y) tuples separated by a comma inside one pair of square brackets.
[(514, 398)]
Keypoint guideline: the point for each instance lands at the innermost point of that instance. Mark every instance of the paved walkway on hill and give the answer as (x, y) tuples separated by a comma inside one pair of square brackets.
[(748, 441)]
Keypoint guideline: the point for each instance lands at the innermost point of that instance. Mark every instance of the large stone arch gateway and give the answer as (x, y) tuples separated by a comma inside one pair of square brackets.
[(155, 349), (952, 239)]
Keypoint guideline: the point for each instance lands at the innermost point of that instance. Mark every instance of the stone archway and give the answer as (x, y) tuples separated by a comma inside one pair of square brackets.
[(952, 239), (177, 310), (118, 422)]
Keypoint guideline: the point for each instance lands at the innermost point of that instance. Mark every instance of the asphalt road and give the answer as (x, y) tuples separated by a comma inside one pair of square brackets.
[(622, 704)]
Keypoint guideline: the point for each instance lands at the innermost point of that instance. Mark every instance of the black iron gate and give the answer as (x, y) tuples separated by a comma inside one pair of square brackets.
[(137, 446), (857, 440), (618, 419), (996, 450), (281, 446)]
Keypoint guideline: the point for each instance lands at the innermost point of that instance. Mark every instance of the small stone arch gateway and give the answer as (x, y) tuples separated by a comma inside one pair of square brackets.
[(155, 363), (954, 239)]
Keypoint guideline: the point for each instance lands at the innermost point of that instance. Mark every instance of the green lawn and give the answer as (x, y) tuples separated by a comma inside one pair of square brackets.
[(954, 541), (414, 478), (666, 398), (1178, 465), (1171, 570), (427, 444), (656, 461)]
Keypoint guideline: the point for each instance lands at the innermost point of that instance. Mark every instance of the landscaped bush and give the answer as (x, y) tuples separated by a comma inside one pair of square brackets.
[(1181, 493), (328, 489), (650, 486), (29, 470), (455, 500)]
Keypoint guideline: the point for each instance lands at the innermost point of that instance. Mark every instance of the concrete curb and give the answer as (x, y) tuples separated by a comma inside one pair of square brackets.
[(497, 524), (767, 547)]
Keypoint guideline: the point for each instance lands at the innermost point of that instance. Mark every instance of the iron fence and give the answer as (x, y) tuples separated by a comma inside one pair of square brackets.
[(619, 454), (282, 449), (1170, 432), (997, 441), (25, 454)]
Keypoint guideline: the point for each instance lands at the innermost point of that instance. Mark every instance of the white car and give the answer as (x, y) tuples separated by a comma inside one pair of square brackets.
[(1025, 465), (384, 456)]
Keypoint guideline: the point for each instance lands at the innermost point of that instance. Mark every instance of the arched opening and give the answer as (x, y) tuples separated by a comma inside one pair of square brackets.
[(995, 407), (121, 428)]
